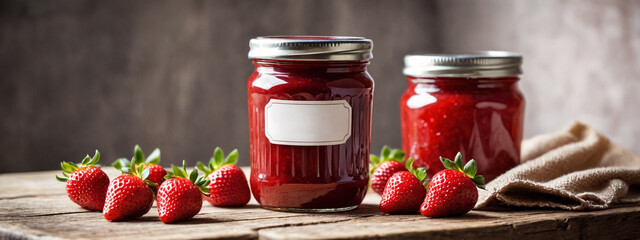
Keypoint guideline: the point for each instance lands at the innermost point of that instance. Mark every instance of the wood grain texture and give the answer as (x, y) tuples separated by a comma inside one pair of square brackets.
[(37, 208)]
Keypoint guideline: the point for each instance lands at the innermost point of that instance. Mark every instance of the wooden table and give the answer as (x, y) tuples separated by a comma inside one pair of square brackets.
[(35, 205)]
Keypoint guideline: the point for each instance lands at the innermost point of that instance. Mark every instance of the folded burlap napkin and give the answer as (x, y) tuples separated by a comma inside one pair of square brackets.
[(578, 169)]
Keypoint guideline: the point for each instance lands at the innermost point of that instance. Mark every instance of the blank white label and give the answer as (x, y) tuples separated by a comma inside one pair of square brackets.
[(307, 123)]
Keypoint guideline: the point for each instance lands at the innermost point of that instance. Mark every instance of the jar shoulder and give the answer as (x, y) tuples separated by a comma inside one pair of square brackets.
[(420, 96), (290, 82)]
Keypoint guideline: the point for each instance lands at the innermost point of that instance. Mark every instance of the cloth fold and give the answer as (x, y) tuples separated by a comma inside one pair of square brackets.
[(578, 169)]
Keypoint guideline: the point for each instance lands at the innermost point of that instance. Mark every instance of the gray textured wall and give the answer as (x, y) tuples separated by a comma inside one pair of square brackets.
[(80, 75)]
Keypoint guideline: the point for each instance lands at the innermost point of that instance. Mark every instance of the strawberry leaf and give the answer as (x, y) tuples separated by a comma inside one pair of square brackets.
[(61, 179), (176, 171), (470, 168), (384, 154), (420, 173), (154, 157), (479, 181), (194, 175), (184, 170), (120, 163), (397, 155), (168, 176), (448, 164), (73, 165), (202, 168), (85, 161), (150, 183), (409, 164), (232, 158), (200, 181), (212, 166), (66, 167), (95, 159), (204, 188), (458, 161), (126, 170), (138, 155), (218, 157), (145, 173)]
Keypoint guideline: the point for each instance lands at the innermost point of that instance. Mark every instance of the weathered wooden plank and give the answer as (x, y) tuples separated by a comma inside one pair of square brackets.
[(39, 208), (212, 222), (529, 224)]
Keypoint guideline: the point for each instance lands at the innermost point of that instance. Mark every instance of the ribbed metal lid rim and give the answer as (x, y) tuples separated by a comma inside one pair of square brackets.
[(311, 48), (472, 64)]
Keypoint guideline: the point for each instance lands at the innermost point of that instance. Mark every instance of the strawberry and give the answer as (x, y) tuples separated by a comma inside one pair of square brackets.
[(180, 196), (452, 192), (129, 195), (156, 172), (86, 184), (404, 191), (381, 168), (228, 185)]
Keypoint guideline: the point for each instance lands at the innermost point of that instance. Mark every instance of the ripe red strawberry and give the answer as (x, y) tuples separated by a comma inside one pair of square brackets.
[(156, 172), (129, 195), (228, 185), (383, 167), (180, 196), (452, 192), (405, 191), (86, 184)]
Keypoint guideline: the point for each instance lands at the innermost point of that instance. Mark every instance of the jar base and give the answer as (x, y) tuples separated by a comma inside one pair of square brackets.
[(311, 210)]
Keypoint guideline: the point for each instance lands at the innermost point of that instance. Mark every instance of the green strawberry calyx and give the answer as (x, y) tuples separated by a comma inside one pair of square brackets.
[(70, 167), (387, 154), (200, 182), (136, 166), (218, 160), (468, 169), (153, 158), (420, 173)]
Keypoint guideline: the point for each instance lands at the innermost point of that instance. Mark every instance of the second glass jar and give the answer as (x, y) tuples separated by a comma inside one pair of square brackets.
[(310, 102), (468, 103)]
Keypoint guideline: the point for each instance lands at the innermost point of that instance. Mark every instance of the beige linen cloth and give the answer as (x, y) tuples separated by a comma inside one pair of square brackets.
[(578, 169)]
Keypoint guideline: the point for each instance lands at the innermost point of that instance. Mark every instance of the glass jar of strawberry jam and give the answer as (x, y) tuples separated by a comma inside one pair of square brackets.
[(468, 103), (310, 101)]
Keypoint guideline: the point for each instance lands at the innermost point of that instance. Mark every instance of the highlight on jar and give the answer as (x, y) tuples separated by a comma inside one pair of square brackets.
[(310, 105), (468, 103)]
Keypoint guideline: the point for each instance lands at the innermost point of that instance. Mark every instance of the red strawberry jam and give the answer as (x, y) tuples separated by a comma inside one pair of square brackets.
[(463, 103), (295, 164)]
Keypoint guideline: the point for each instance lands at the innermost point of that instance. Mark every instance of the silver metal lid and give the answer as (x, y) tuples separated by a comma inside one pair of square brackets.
[(311, 48), (474, 64)]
